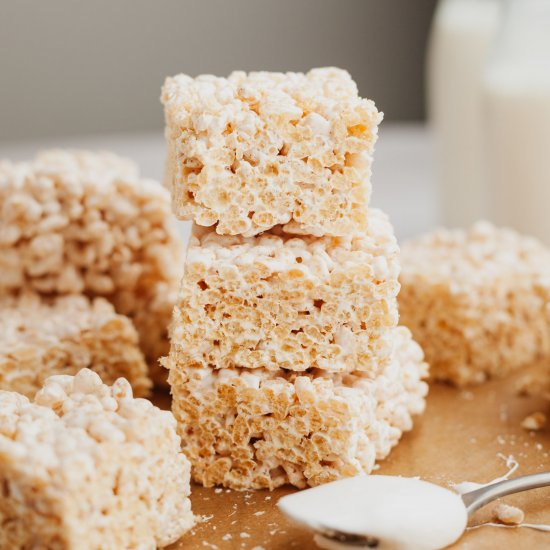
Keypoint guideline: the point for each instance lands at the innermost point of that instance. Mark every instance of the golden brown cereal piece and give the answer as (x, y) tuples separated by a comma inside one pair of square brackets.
[(255, 428), (509, 515), (276, 301), (535, 421), (76, 222), (476, 301), (41, 337), (256, 150), (88, 462)]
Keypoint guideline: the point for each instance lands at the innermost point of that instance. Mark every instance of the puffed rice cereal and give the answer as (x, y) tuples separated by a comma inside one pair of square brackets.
[(477, 301), (40, 337), (252, 151), (76, 222), (256, 428), (276, 301), (86, 465)]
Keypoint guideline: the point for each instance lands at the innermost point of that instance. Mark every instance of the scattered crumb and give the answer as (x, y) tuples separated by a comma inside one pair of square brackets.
[(258, 548), (503, 414), (204, 519), (535, 421), (218, 490), (227, 536), (261, 513), (244, 535), (509, 515), (267, 498)]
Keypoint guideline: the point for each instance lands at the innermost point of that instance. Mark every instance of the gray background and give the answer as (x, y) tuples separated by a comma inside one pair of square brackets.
[(72, 67)]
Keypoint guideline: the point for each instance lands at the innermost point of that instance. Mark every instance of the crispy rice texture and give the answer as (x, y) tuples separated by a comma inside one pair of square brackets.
[(88, 462), (76, 222), (476, 301), (41, 337), (252, 151), (252, 429), (276, 301)]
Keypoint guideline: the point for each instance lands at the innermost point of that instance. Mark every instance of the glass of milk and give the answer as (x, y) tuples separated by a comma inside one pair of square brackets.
[(516, 105), (461, 36)]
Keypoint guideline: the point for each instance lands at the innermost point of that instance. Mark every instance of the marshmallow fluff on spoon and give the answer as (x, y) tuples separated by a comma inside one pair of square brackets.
[(385, 512)]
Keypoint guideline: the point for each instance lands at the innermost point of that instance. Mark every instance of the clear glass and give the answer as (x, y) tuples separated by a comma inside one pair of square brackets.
[(461, 36), (517, 119)]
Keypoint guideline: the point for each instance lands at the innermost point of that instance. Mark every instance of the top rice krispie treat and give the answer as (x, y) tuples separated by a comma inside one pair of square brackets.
[(477, 301), (280, 301), (86, 465), (252, 151), (79, 222)]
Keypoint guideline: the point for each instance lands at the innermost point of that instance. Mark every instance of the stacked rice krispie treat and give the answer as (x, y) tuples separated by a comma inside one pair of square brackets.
[(478, 301), (82, 223), (286, 362), (85, 465)]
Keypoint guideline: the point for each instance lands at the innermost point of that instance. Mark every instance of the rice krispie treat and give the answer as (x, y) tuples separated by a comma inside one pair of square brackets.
[(277, 301), (79, 222), (40, 337), (252, 151), (476, 301), (251, 429), (86, 465)]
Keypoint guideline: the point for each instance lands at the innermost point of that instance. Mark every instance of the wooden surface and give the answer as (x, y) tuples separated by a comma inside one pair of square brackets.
[(462, 437)]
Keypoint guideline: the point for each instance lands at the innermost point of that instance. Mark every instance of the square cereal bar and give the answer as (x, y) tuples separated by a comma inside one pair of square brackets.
[(277, 301), (250, 429), (477, 301), (79, 222), (40, 337), (256, 150), (86, 465)]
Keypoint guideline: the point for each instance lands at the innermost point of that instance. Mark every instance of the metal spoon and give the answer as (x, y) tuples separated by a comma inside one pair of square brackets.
[(473, 501)]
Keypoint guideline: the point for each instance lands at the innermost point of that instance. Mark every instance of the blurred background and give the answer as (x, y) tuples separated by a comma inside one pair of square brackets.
[(464, 85), (83, 67)]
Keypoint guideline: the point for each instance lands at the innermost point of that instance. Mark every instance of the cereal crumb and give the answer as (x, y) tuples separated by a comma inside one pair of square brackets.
[(509, 515), (260, 513), (535, 421), (244, 535)]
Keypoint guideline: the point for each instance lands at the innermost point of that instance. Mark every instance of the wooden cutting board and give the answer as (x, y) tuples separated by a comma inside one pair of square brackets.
[(463, 435)]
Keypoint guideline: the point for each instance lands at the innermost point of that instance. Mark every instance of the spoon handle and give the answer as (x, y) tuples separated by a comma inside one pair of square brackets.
[(474, 500)]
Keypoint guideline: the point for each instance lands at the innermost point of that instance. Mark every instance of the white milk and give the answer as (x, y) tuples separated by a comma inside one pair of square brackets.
[(462, 33), (401, 513), (517, 106)]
